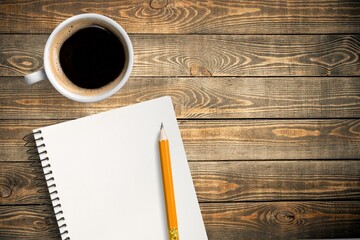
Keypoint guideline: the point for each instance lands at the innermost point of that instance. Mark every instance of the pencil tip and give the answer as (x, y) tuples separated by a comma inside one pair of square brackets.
[(162, 126)]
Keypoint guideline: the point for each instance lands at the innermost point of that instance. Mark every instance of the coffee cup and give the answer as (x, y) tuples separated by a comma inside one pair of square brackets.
[(87, 58)]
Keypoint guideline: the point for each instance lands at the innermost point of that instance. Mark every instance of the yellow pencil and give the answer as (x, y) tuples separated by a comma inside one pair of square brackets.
[(168, 185)]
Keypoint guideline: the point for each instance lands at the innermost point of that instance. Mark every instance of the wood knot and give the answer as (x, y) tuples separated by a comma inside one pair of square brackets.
[(285, 216), (41, 225), (331, 59), (296, 132), (5, 191), (158, 4), (197, 70), (25, 63)]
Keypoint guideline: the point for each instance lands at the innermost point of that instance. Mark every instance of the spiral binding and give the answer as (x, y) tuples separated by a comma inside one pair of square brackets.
[(42, 168)]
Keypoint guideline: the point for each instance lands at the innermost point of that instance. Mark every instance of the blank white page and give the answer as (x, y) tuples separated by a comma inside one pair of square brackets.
[(108, 175)]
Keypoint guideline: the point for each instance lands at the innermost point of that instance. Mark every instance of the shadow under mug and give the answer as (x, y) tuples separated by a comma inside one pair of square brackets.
[(57, 77)]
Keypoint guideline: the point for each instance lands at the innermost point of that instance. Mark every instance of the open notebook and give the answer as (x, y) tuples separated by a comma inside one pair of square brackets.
[(107, 173)]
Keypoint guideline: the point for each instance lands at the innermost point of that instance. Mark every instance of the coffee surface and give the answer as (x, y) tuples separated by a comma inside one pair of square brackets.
[(92, 57)]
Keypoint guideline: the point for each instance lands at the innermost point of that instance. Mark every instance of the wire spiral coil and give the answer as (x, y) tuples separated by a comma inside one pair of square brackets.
[(40, 163)]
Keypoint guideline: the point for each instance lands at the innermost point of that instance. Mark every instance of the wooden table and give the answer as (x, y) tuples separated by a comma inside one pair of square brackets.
[(266, 94)]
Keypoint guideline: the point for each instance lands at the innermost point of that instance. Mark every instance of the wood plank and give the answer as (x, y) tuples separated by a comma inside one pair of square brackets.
[(276, 180), (28, 222), (23, 183), (282, 220), (214, 55), (170, 16), (197, 97), (271, 139), (262, 220), (233, 139)]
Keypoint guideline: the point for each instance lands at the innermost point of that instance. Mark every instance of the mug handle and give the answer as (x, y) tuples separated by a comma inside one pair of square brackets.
[(35, 77)]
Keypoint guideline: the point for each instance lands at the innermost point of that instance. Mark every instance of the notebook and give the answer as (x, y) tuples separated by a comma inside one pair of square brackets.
[(107, 173)]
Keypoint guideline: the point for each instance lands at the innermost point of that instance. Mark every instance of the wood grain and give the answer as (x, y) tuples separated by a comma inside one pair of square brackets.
[(23, 183), (11, 138), (233, 139), (214, 55), (263, 220), (170, 16), (271, 139), (276, 180), (267, 95), (28, 222), (282, 220), (197, 97)]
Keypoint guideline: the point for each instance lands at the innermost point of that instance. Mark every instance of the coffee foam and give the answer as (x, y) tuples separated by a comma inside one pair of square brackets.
[(54, 51)]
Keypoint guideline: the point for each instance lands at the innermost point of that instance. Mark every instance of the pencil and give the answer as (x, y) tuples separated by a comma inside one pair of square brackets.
[(168, 185)]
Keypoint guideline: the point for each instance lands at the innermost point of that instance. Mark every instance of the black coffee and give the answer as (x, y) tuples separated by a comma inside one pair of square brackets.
[(92, 57)]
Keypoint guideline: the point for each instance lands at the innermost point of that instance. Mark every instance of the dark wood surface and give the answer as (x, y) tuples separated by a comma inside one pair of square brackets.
[(184, 17), (211, 55), (267, 95)]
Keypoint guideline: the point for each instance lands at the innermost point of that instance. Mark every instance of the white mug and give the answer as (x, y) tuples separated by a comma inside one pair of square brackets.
[(59, 79)]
